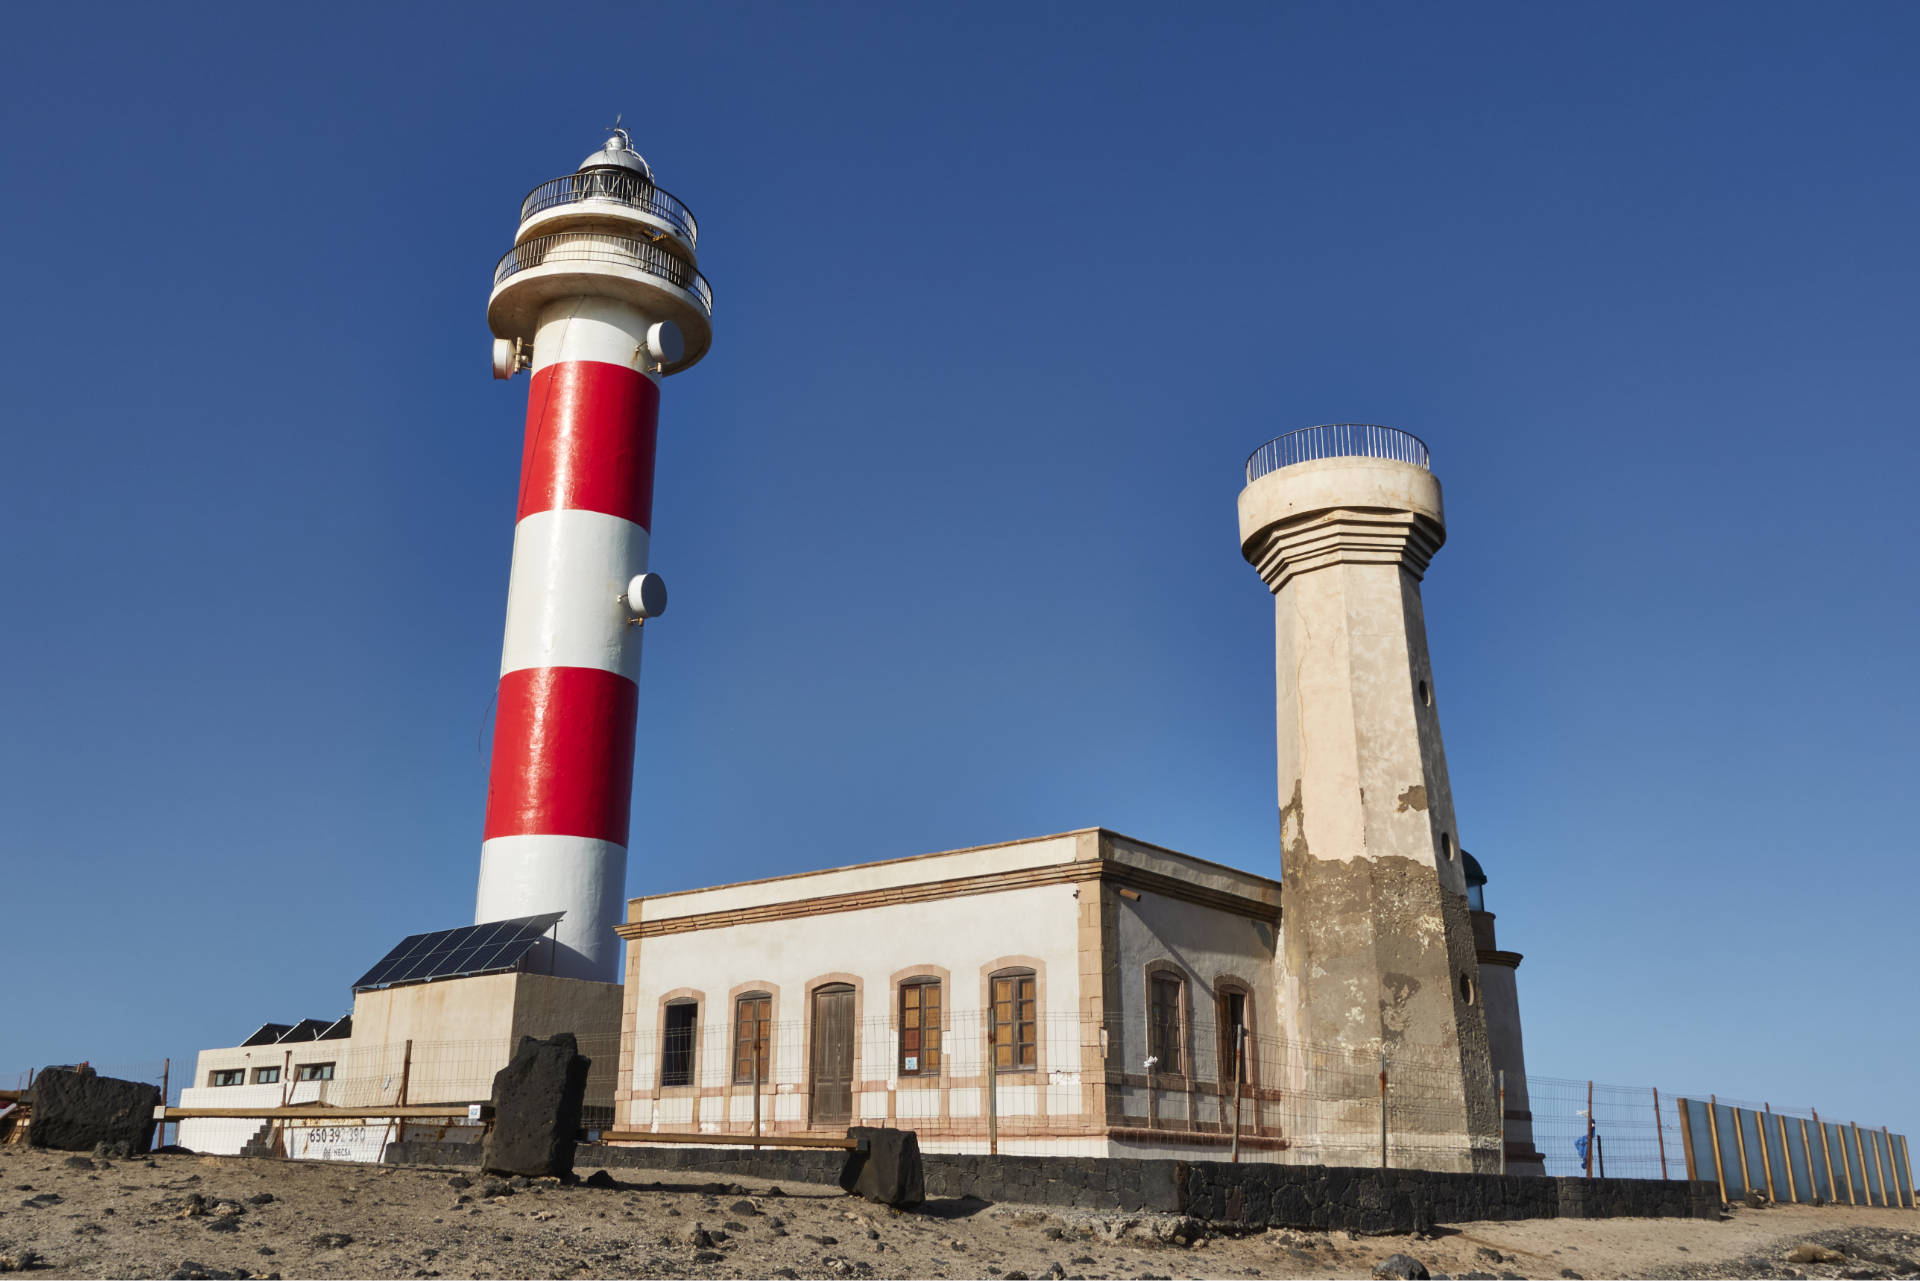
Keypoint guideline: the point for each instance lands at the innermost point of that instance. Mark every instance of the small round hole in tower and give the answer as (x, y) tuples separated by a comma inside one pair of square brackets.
[(1466, 988), (1426, 695), (1446, 846)]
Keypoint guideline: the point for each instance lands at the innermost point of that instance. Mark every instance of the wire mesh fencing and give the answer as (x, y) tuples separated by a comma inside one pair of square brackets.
[(1013, 1080), (153, 1070), (1010, 1079), (1635, 1132)]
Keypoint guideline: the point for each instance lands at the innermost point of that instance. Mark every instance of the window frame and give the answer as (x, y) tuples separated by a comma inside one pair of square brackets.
[(931, 1041), (1166, 1039), (260, 1076), (743, 1064), (687, 1067), (307, 1073), (1016, 1044), (216, 1081), (1225, 990)]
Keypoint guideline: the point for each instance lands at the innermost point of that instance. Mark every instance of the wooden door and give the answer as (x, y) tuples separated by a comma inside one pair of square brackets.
[(832, 1057)]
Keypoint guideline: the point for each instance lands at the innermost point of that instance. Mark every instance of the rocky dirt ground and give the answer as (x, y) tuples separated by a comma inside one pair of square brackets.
[(190, 1216)]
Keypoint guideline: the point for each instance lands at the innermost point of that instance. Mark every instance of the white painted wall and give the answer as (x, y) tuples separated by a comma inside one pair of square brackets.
[(964, 936)]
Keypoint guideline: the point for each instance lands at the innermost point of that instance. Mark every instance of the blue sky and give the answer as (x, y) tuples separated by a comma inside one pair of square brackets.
[(1005, 294)]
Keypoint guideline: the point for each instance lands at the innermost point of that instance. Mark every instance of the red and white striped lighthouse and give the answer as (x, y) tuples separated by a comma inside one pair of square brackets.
[(601, 298)]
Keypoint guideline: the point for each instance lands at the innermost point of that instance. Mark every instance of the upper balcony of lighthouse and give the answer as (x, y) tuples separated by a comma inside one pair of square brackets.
[(606, 230), (1339, 492)]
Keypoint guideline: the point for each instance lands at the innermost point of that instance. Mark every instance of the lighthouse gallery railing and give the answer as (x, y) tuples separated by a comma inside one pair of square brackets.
[(1336, 440), (619, 186), (594, 246)]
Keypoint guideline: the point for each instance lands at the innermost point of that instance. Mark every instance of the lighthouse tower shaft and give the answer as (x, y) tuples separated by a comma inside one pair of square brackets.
[(1378, 949), (600, 298)]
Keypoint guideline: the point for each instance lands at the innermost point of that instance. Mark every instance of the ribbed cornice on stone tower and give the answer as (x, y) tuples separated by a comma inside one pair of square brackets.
[(1354, 536)]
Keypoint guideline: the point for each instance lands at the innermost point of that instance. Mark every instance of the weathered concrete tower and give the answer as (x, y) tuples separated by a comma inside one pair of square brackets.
[(600, 296), (1378, 952)]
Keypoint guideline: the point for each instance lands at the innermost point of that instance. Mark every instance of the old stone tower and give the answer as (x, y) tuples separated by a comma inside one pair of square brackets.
[(1379, 953)]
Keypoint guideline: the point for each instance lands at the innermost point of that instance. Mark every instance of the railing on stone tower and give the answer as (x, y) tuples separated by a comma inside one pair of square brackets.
[(1336, 440)]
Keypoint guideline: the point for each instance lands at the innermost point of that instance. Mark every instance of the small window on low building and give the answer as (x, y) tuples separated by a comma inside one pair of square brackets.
[(1163, 1022), (676, 1052), (313, 1072), (1015, 1022), (920, 1027), (228, 1076), (752, 1033), (266, 1076)]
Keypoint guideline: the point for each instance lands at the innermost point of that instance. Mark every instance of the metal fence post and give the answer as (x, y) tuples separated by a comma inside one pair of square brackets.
[(756, 1085), (1826, 1156), (166, 1075), (1660, 1131), (1239, 1040), (1686, 1138), (1713, 1132), (1740, 1142), (1766, 1150), (1786, 1155), (1906, 1159), (1383, 1109), (1501, 1079), (1588, 1161), (993, 1093)]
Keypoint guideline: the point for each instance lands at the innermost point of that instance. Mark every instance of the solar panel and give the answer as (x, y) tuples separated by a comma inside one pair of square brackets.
[(268, 1034), (306, 1030), (486, 948)]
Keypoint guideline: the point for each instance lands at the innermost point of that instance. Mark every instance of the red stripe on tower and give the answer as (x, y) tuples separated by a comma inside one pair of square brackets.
[(563, 754), (591, 433)]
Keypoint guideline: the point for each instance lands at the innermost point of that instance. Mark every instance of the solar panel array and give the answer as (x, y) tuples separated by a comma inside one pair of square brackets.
[(471, 949)]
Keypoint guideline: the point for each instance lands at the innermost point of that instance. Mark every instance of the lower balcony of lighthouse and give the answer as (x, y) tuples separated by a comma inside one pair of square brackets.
[(547, 269)]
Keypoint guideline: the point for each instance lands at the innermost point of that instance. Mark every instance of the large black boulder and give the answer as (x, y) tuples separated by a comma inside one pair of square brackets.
[(74, 1109), (536, 1109), (885, 1167)]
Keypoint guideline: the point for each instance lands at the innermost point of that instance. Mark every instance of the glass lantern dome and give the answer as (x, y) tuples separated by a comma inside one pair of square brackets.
[(1476, 882)]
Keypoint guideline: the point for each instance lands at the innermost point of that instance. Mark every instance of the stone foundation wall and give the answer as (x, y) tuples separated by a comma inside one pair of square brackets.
[(1233, 1196), (1374, 1200)]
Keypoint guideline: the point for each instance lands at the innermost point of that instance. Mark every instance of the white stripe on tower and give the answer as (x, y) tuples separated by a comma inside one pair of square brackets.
[(561, 784)]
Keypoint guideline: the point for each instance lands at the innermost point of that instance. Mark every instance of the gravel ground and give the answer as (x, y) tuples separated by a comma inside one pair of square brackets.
[(188, 1216)]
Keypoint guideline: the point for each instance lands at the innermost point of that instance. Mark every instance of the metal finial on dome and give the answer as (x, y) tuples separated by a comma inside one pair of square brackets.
[(618, 153)]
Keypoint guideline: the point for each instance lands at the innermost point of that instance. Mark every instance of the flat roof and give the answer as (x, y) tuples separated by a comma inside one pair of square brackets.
[(800, 884)]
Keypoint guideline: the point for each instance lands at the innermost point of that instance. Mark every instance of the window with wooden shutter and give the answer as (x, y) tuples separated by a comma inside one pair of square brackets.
[(920, 1027), (1016, 1017), (752, 1033)]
